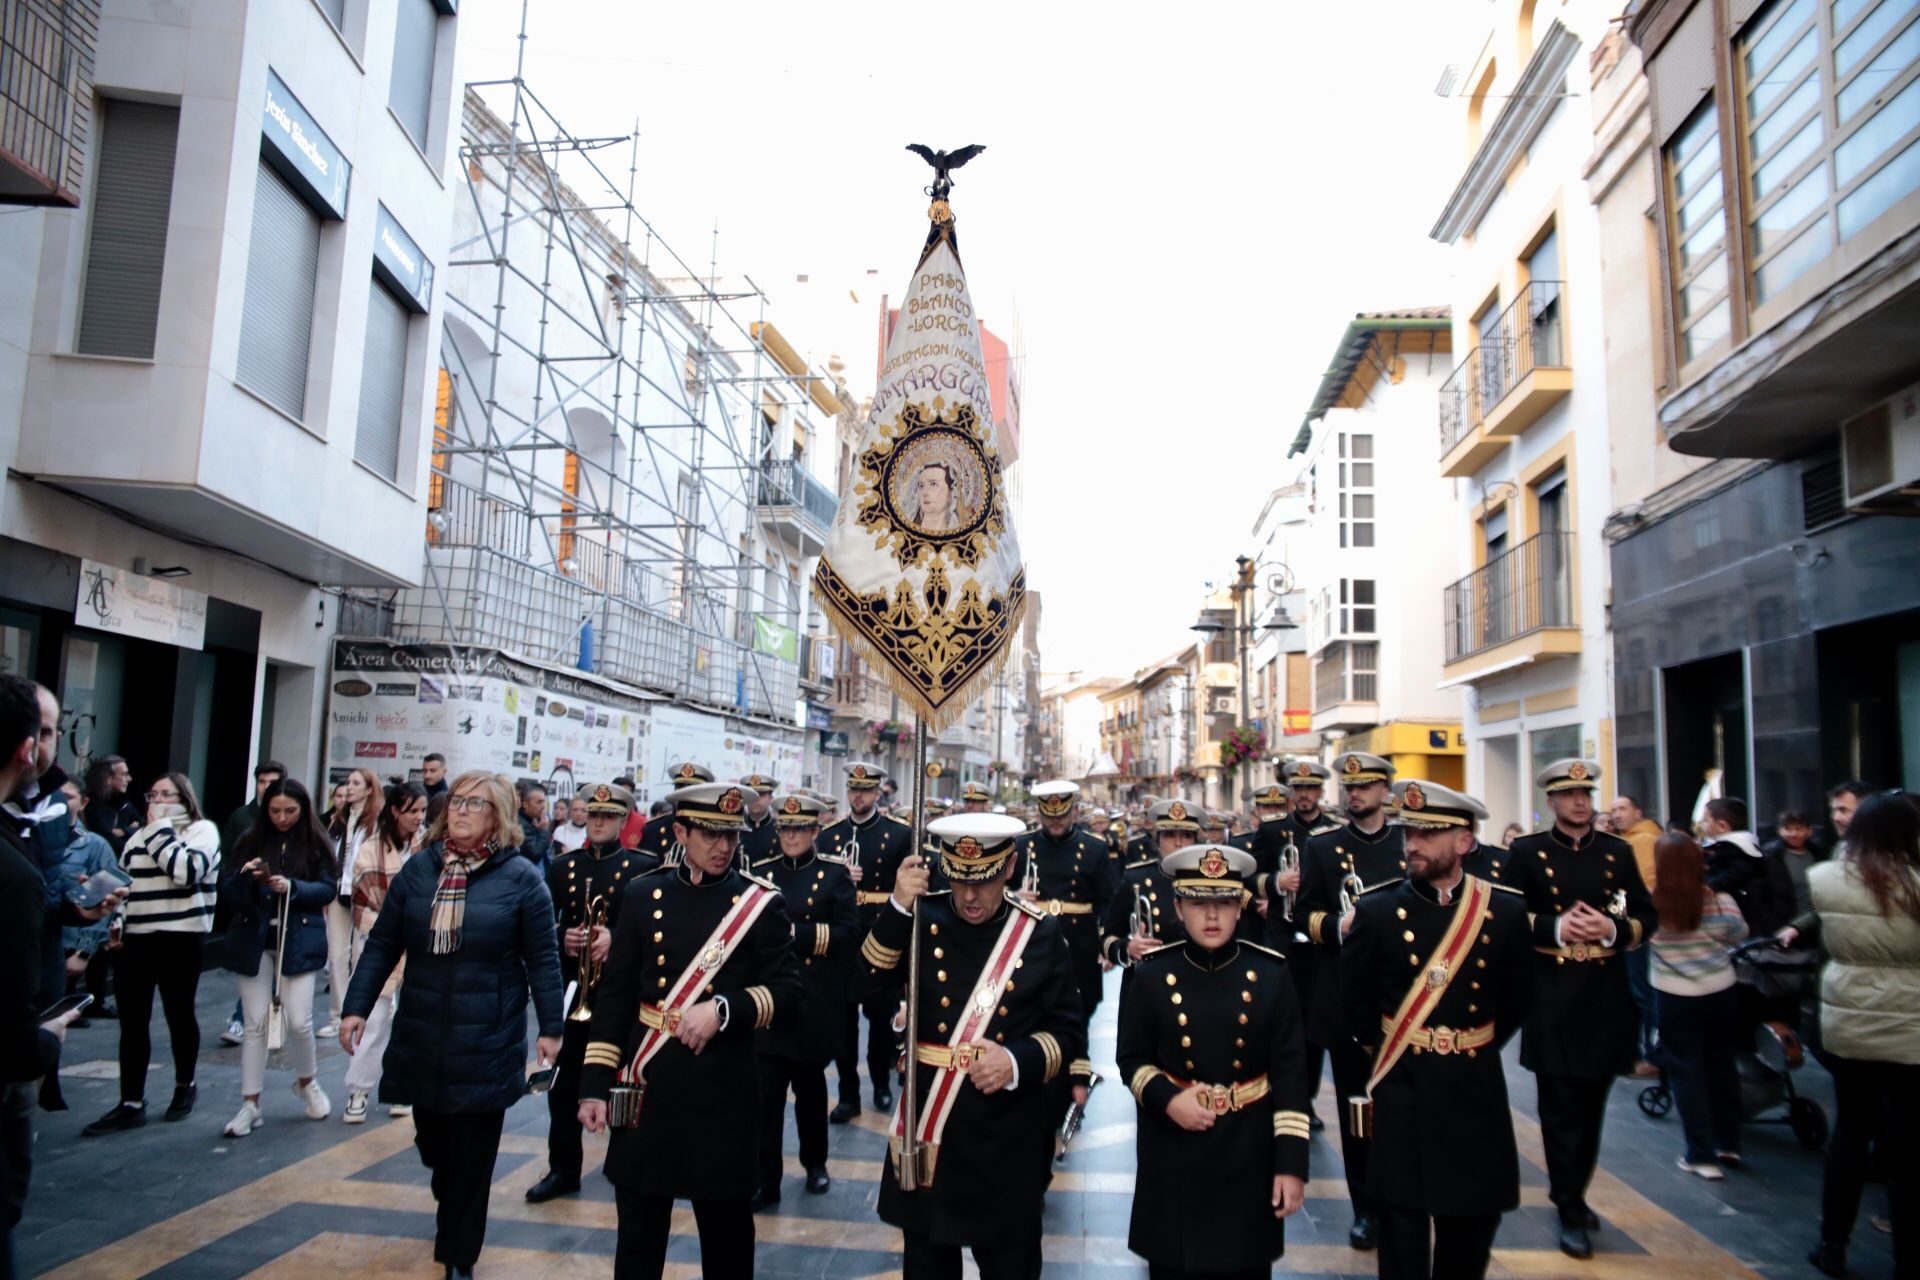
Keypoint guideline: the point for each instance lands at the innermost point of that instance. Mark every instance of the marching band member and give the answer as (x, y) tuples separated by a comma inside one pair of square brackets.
[(871, 845)]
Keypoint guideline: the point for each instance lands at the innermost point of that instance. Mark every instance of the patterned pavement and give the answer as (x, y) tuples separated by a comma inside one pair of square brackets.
[(301, 1199)]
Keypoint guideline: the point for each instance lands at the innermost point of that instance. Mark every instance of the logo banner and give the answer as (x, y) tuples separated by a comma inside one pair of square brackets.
[(922, 572)]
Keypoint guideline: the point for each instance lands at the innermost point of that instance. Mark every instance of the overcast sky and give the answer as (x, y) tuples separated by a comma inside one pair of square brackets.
[(1185, 212)]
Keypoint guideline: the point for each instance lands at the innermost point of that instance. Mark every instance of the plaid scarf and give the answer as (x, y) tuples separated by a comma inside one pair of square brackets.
[(450, 896)]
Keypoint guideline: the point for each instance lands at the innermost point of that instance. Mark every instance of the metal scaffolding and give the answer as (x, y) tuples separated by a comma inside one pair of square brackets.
[(618, 473)]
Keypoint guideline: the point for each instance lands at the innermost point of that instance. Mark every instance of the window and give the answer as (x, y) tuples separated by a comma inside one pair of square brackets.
[(1697, 198), (569, 507), (1494, 530), (276, 327), (410, 91), (1356, 606), (1831, 103), (127, 233), (1366, 665), (442, 437), (1356, 474), (1543, 305), (336, 11), (383, 384)]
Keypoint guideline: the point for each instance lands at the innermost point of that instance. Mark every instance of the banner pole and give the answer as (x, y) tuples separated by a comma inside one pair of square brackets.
[(910, 1104)]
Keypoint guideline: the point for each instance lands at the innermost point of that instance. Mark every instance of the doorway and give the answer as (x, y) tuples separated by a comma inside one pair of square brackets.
[(1705, 705)]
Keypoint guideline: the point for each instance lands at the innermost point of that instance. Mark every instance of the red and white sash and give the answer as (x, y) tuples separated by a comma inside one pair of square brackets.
[(970, 1030), (1435, 976), (713, 954)]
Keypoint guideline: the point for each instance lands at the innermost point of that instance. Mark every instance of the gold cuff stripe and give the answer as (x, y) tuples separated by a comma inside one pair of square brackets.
[(1292, 1124), (1051, 1054), (1314, 921), (878, 956), (762, 1006), (1080, 1067), (821, 937), (1637, 931), (601, 1053), (1141, 1079)]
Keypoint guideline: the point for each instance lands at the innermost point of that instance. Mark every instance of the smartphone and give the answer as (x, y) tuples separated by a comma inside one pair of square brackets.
[(540, 1079), (60, 1008), (97, 886)]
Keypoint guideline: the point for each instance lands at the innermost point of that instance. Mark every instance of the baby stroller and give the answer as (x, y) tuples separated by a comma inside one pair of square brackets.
[(1773, 986)]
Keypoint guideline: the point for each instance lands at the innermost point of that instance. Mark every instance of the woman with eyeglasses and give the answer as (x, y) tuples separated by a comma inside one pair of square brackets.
[(353, 824), (174, 861), (378, 862), (474, 924), (282, 876)]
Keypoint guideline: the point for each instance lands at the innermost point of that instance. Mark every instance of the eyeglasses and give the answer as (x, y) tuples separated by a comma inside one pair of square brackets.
[(162, 795), (467, 804)]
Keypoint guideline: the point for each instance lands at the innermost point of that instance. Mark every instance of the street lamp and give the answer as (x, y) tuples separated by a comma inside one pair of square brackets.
[(1241, 590)]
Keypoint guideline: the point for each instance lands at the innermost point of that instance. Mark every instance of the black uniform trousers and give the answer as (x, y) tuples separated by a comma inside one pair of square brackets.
[(1571, 1113), (460, 1149), (1157, 1272), (809, 1083), (726, 1236), (1351, 1067), (1460, 1248), (922, 1259), (882, 1047), (564, 1153)]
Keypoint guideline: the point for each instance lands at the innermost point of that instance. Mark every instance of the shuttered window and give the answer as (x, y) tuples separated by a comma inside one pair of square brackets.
[(383, 380), (336, 11), (127, 234), (410, 92), (283, 261)]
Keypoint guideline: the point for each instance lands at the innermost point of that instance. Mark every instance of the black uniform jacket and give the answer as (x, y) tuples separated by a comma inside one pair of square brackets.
[(1488, 861), (593, 871), (1583, 1022), (1145, 881), (762, 841), (1442, 1133), (1202, 1202), (699, 1127), (1073, 869), (884, 842), (1325, 863), (996, 1156), (826, 934)]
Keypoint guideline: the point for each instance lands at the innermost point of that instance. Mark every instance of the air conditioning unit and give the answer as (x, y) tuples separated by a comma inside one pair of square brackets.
[(1223, 704), (1880, 451)]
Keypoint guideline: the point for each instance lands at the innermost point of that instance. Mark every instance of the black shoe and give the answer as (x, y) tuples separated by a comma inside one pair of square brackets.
[(1315, 1123), (103, 1010), (124, 1116), (763, 1200), (843, 1113), (1588, 1218), (1363, 1234), (184, 1096), (1574, 1240), (818, 1182), (459, 1273), (882, 1098), (551, 1187), (1829, 1259)]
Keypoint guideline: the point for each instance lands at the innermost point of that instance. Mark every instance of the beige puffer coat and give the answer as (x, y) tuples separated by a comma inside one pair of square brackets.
[(1870, 987)]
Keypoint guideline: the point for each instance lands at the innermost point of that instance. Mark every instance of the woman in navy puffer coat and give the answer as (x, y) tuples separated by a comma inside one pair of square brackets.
[(475, 924)]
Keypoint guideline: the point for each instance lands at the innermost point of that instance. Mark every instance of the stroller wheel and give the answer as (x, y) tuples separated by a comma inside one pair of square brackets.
[(1656, 1100), (1809, 1123)]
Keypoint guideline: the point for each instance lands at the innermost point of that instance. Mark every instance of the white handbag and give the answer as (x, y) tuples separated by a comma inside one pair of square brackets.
[(277, 1015)]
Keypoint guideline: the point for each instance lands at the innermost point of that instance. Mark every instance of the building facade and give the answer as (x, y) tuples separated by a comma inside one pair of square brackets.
[(1766, 616)]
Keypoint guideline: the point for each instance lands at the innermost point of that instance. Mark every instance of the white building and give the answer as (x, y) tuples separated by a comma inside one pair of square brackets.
[(1524, 418), (1372, 563), (216, 359), (1278, 667)]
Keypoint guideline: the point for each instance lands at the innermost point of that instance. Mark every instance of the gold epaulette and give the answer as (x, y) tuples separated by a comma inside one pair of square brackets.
[(1143, 862), (1264, 950), (894, 817), (1020, 904), (1505, 888), (1384, 884), (764, 884), (764, 862)]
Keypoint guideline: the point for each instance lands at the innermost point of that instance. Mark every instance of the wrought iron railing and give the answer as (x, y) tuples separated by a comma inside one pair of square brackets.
[(1526, 589), (1530, 334), (789, 484)]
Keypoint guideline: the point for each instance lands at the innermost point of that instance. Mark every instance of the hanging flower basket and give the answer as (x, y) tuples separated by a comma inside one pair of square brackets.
[(1248, 743)]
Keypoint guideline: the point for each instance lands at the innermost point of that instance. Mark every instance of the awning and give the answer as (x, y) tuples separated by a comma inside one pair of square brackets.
[(1484, 672)]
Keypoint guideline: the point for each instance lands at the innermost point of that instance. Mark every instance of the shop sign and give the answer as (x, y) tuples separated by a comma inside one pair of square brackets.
[(398, 262), (129, 604), (819, 717), (832, 743), (300, 150)]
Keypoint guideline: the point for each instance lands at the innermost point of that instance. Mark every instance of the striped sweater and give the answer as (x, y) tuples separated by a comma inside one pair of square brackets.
[(175, 878), (1696, 963)]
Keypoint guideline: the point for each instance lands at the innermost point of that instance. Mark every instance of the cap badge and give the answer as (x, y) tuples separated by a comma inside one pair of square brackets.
[(686, 773), (967, 848), (1303, 770), (602, 793), (1352, 765), (1213, 864), (1577, 771), (1178, 812), (1413, 798), (793, 804), (730, 801), (860, 772)]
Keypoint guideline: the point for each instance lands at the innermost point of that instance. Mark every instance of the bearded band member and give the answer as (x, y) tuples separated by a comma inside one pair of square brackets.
[(998, 1022), (1210, 1045), (826, 929), (1141, 917), (758, 841), (1286, 922), (1363, 853), (1074, 879), (701, 959), (586, 888), (871, 845), (1436, 975)]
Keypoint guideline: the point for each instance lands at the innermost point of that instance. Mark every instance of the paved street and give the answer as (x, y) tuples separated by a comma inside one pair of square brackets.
[(300, 1199)]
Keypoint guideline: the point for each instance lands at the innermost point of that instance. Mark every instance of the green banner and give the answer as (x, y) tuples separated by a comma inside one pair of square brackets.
[(775, 638)]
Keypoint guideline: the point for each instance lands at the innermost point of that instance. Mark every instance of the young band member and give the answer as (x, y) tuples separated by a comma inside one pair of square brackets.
[(585, 886), (1074, 879), (998, 1023), (702, 957), (1210, 1044), (1436, 974), (1589, 909), (871, 845), (826, 930)]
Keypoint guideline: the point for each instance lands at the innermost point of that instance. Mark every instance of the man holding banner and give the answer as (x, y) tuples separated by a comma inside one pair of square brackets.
[(999, 1022), (1436, 975)]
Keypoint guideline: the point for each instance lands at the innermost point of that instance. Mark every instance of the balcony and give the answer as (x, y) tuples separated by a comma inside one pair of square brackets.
[(1346, 687), (1515, 609), (817, 656), (46, 97), (795, 506), (1508, 382)]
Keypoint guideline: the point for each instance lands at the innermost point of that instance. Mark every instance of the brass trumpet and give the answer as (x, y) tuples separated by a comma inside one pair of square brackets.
[(1030, 877), (1350, 890), (1142, 915), (1289, 861), (589, 967)]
